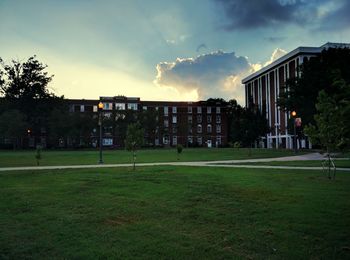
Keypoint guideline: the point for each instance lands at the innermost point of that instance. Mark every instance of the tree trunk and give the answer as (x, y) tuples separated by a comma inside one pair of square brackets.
[(134, 160)]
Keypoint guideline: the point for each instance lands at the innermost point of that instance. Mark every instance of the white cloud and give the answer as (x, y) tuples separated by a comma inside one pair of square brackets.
[(214, 75)]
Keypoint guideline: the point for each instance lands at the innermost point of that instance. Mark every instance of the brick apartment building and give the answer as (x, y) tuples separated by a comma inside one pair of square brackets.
[(263, 88), (200, 124)]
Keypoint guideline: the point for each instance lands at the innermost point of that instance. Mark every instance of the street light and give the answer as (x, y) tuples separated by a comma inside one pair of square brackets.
[(100, 107), (294, 115)]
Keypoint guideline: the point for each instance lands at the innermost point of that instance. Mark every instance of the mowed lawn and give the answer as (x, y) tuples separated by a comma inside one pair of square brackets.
[(27, 158), (174, 213), (338, 163)]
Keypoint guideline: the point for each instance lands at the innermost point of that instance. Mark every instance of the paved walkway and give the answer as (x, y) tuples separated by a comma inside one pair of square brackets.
[(225, 164)]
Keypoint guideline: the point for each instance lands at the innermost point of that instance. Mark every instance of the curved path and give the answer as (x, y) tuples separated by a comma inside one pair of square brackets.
[(225, 164)]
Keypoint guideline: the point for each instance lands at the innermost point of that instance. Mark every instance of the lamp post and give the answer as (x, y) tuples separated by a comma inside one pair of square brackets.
[(294, 115), (100, 107)]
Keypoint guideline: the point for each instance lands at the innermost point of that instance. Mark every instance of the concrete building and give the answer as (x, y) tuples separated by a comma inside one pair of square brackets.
[(262, 89)]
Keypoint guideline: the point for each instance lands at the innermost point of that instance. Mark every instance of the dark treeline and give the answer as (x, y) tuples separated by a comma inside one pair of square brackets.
[(33, 115)]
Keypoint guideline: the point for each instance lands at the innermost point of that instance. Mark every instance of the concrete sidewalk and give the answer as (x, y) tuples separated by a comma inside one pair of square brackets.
[(225, 164)]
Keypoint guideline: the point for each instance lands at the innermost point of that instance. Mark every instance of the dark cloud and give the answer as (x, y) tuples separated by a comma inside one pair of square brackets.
[(201, 46), (313, 14), (216, 74), (243, 14), (275, 39), (336, 19)]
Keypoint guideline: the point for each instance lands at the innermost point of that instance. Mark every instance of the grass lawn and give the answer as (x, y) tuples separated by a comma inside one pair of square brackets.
[(27, 158), (338, 163), (174, 213)]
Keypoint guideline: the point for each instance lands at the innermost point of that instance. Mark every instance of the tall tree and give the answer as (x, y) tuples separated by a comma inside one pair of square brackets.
[(317, 73), (331, 129), (24, 86), (13, 126)]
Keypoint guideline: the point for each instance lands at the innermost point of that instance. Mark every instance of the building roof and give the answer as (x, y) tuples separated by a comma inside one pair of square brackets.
[(294, 53)]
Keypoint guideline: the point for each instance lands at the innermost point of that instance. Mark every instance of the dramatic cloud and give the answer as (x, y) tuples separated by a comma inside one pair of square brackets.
[(250, 14), (312, 14), (217, 74), (213, 75)]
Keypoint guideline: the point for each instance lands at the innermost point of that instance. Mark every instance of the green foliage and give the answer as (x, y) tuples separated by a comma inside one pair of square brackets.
[(38, 154), (332, 120), (13, 126), (179, 149), (134, 139), (237, 145), (300, 94)]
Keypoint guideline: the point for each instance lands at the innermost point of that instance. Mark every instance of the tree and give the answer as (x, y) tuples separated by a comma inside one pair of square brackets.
[(134, 139), (331, 129), (317, 73), (253, 125), (24, 87), (13, 126)]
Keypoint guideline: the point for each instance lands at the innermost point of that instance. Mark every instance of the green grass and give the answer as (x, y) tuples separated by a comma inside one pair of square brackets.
[(27, 158), (338, 163), (174, 213)]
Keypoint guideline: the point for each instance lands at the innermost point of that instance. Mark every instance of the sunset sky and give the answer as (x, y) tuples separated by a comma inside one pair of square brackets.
[(163, 49)]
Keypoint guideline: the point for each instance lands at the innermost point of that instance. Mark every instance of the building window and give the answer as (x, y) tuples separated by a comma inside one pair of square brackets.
[(208, 110), (199, 119), (209, 129), (174, 140), (166, 111), (199, 140), (199, 110), (190, 139), (218, 140), (166, 123), (218, 129), (107, 141), (95, 109), (144, 108), (218, 110), (157, 108), (190, 130), (174, 119), (189, 119), (107, 106), (174, 110), (119, 106), (218, 119), (189, 110), (82, 108), (166, 139), (199, 128), (174, 130), (132, 106), (209, 119), (107, 115)]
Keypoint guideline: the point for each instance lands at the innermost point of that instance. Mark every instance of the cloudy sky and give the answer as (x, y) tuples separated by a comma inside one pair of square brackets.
[(163, 49)]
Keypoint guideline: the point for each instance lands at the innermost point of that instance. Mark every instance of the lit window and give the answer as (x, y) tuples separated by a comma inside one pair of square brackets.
[(144, 108), (119, 106), (132, 106), (107, 106), (174, 119)]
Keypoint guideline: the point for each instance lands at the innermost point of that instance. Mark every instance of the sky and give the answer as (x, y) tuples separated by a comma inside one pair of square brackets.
[(184, 50)]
